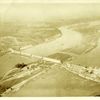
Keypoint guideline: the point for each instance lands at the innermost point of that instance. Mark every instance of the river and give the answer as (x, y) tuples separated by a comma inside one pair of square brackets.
[(68, 39)]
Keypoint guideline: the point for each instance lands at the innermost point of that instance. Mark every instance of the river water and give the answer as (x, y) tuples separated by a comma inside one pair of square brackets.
[(68, 39)]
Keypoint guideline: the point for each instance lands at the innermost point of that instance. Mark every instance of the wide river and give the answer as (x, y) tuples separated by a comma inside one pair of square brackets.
[(68, 39)]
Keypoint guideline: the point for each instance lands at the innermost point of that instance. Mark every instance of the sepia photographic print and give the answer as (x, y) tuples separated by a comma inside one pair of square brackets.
[(49, 48)]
